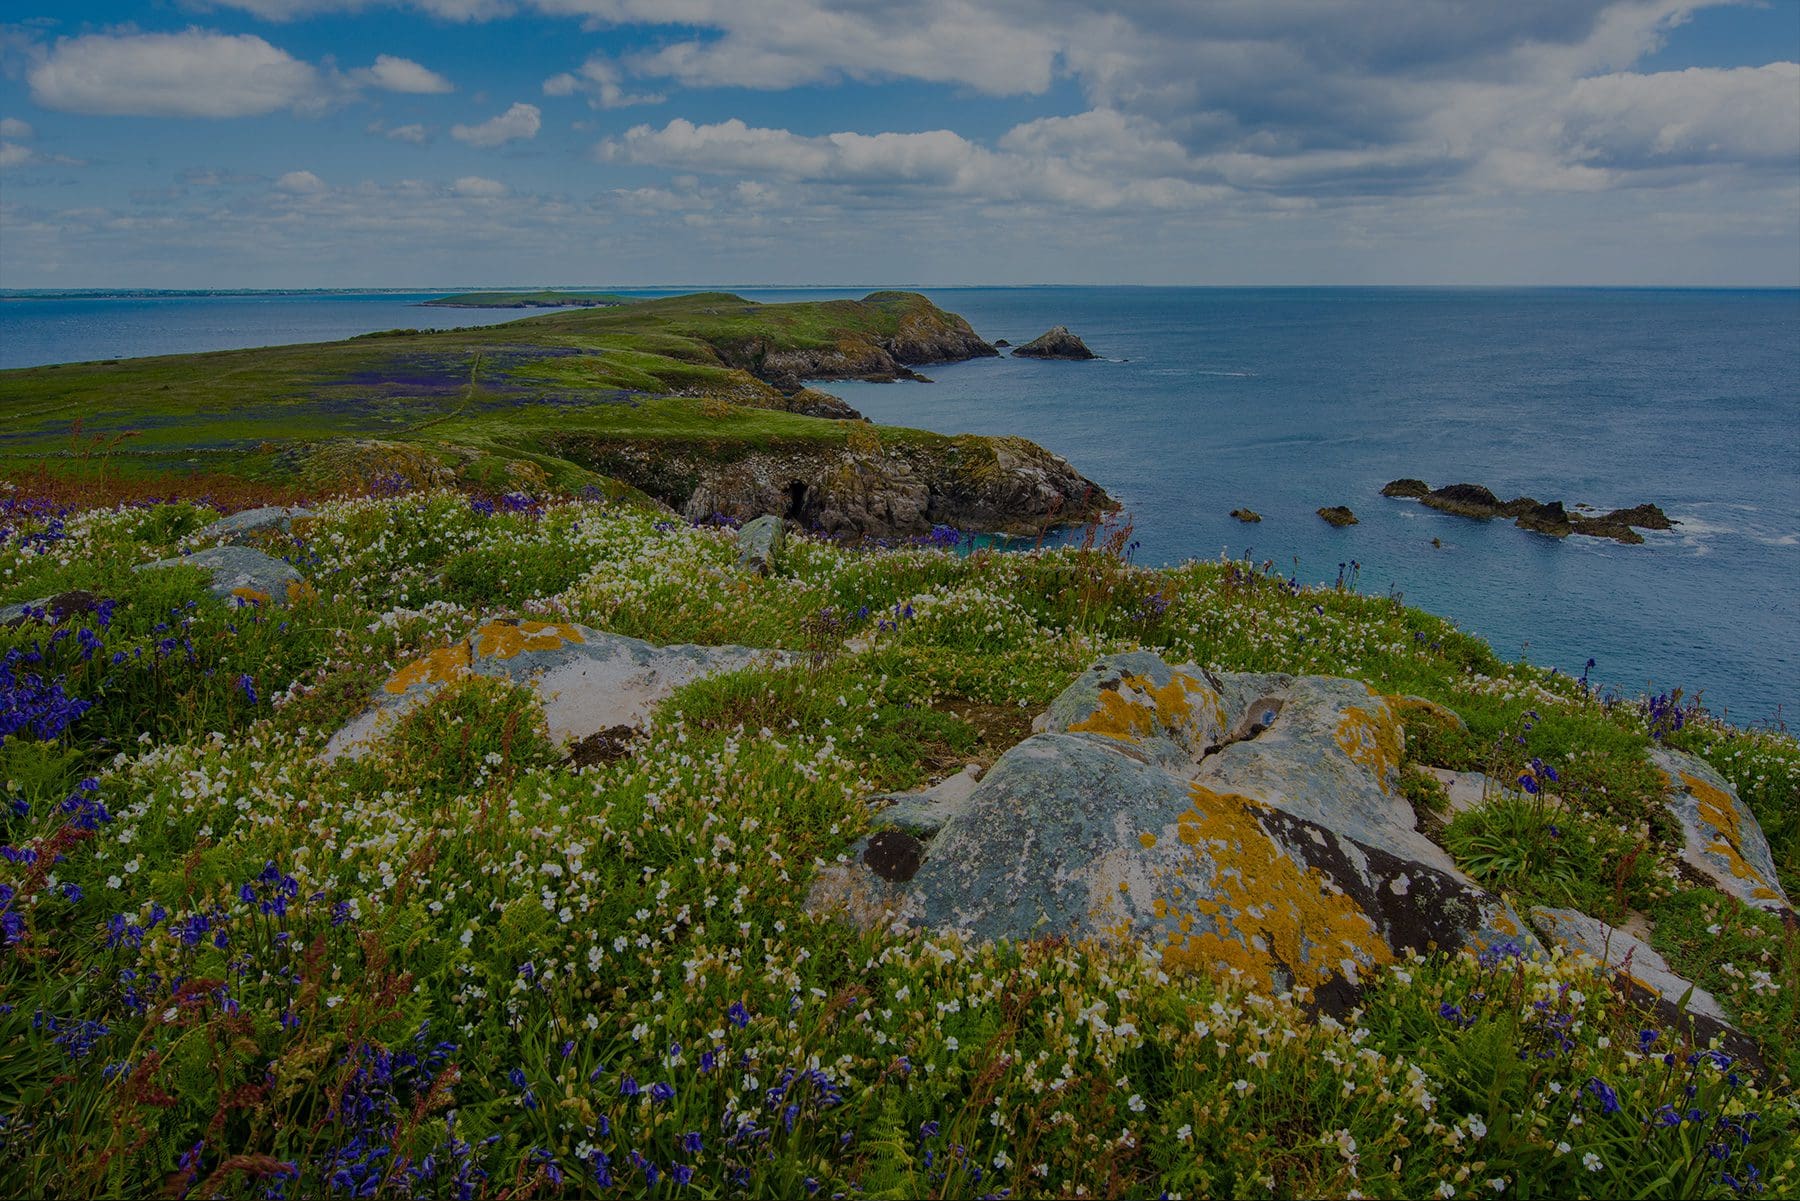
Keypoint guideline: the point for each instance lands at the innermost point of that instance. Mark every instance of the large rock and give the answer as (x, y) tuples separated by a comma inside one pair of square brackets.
[(588, 681), (52, 610), (1055, 343), (1677, 1001), (242, 573), (1720, 837), (240, 526), (760, 543), (1237, 823), (1406, 486), (1464, 500)]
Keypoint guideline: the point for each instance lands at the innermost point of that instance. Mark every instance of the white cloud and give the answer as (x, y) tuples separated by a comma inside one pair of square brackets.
[(602, 82), (402, 75), (294, 10), (195, 73), (1700, 115), (521, 121), (474, 186), (14, 155), (301, 183), (12, 127), (415, 133)]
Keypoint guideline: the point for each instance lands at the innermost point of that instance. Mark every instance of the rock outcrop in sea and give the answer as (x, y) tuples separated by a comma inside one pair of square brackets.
[(1541, 517), (1055, 343), (1338, 515)]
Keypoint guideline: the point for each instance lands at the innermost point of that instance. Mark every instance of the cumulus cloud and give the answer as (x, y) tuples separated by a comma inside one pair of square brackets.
[(414, 133), (1700, 115), (294, 10), (520, 122), (402, 75), (12, 127), (300, 183), (195, 73), (475, 187), (601, 81)]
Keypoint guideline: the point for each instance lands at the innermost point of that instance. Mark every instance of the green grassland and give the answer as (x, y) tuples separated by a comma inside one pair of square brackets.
[(631, 373), (467, 966)]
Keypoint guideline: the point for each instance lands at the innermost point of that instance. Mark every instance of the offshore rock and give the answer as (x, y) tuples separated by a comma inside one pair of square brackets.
[(1721, 839), (1647, 974), (1407, 487), (1244, 824), (1055, 343), (1464, 500), (243, 574), (760, 543), (1247, 515), (589, 681), (1551, 519), (1338, 515), (240, 527)]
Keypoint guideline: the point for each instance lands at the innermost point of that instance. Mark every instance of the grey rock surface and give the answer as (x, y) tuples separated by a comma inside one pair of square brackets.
[(588, 681), (241, 572), (240, 526), (1241, 824), (760, 543), (1720, 836)]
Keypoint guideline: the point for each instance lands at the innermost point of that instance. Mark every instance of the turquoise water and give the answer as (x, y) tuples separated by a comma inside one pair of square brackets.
[(1284, 400)]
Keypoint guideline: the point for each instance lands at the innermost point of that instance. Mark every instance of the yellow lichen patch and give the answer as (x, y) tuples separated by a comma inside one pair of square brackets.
[(299, 591), (1148, 840), (1719, 811), (1372, 740), (503, 640), (1264, 907), (1127, 719), (253, 595), (439, 667)]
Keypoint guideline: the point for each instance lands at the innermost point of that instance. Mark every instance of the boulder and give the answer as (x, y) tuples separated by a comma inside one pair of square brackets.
[(1237, 823), (1720, 837), (240, 526), (925, 812), (51, 609), (1055, 343), (1644, 517), (760, 543), (1407, 487), (589, 681), (1338, 515), (1464, 500), (1677, 1001), (242, 573), (1246, 515)]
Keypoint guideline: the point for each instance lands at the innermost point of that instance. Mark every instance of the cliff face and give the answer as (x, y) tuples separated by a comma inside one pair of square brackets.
[(1000, 485)]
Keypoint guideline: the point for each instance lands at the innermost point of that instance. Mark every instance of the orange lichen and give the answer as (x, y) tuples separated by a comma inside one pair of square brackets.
[(299, 591), (1720, 812), (252, 595), (503, 640), (1147, 840), (439, 667), (1267, 911), (1166, 708), (1372, 740)]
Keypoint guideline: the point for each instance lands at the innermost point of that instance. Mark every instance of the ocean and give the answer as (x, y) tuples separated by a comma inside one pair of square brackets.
[(1283, 400)]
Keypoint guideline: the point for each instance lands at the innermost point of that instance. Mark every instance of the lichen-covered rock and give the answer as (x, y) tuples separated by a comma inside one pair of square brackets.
[(760, 543), (1675, 999), (1236, 823), (1720, 836), (242, 573), (927, 811), (240, 526), (1055, 343), (588, 681)]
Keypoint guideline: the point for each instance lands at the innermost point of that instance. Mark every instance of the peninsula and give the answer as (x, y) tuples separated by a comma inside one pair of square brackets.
[(545, 299), (697, 401)]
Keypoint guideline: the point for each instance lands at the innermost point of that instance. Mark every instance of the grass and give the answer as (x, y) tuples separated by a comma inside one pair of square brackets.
[(462, 966), (596, 375)]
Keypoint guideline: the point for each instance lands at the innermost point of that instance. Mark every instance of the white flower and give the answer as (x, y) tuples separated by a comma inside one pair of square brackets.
[(1185, 1133), (1477, 1127), (333, 1002), (1591, 1162), (1136, 1103), (1446, 1189), (1563, 1148)]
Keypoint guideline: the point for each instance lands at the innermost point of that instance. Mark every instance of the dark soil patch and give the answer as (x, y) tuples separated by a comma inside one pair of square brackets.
[(603, 746)]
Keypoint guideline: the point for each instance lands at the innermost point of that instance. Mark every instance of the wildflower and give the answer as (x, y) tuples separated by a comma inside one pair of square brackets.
[(1591, 1162)]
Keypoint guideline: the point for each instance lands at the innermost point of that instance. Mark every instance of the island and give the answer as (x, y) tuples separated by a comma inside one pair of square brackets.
[(527, 300)]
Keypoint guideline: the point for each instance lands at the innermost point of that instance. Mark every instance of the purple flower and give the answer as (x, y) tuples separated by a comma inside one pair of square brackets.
[(738, 1015)]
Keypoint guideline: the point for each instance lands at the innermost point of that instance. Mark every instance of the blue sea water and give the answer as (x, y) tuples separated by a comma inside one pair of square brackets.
[(1283, 400)]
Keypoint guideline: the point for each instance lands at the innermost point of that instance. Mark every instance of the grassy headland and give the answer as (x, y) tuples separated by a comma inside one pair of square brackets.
[(561, 400)]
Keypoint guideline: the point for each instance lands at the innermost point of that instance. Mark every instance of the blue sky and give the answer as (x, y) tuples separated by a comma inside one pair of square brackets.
[(318, 143)]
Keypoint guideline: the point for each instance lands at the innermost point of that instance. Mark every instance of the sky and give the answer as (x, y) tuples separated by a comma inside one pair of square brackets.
[(438, 143)]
